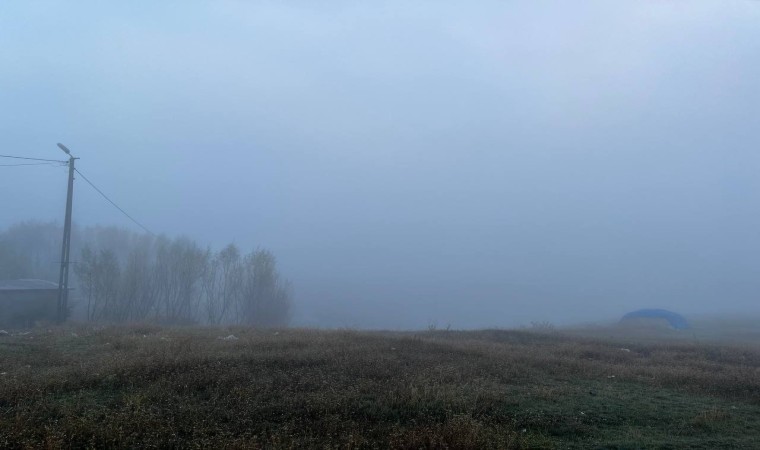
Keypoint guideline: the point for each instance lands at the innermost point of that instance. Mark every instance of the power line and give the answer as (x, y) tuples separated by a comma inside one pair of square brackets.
[(49, 161), (114, 204), (32, 164), (34, 159)]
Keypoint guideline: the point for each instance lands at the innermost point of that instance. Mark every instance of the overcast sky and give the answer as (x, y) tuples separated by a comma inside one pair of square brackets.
[(479, 164)]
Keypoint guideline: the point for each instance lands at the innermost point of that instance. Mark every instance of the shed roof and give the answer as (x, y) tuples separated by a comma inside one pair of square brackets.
[(26, 285), (675, 320)]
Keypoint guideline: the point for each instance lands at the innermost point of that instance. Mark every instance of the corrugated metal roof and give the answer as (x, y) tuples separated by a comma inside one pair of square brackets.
[(22, 285)]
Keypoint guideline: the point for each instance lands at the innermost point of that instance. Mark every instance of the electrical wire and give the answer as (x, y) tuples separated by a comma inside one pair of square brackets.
[(49, 161), (114, 204), (33, 159), (33, 164)]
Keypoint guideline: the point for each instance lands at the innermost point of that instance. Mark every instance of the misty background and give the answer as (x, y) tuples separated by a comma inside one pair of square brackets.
[(410, 164)]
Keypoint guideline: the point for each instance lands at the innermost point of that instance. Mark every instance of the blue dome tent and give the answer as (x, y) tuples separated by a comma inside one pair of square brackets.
[(676, 321)]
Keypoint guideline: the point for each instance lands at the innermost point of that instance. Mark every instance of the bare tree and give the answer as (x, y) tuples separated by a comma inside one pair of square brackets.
[(13, 263), (99, 277), (180, 265), (85, 272), (138, 285), (222, 284), (124, 276), (39, 245), (266, 298)]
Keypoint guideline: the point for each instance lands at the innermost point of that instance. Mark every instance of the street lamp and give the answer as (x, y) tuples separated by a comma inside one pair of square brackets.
[(63, 278), (63, 147)]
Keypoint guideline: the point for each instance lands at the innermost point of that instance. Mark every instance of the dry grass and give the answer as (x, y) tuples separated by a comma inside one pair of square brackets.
[(145, 386)]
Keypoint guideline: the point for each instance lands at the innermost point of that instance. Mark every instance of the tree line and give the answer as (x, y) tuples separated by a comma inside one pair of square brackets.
[(120, 276)]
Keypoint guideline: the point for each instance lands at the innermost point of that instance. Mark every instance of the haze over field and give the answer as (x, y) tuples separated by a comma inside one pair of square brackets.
[(484, 164)]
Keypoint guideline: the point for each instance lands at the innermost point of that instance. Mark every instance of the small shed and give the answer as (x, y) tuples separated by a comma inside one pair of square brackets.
[(24, 302)]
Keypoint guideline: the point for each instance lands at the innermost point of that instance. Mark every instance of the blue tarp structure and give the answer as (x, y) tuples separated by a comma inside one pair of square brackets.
[(675, 320)]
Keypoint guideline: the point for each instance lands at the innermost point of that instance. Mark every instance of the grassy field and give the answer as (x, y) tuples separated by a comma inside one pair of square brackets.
[(145, 386)]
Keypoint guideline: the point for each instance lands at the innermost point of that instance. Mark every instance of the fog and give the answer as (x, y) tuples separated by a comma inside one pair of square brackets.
[(410, 164)]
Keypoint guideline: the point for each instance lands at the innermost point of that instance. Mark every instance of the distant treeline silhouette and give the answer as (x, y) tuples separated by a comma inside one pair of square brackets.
[(121, 276)]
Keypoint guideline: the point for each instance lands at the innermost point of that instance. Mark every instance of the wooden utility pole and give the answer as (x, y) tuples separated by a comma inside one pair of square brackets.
[(63, 278)]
